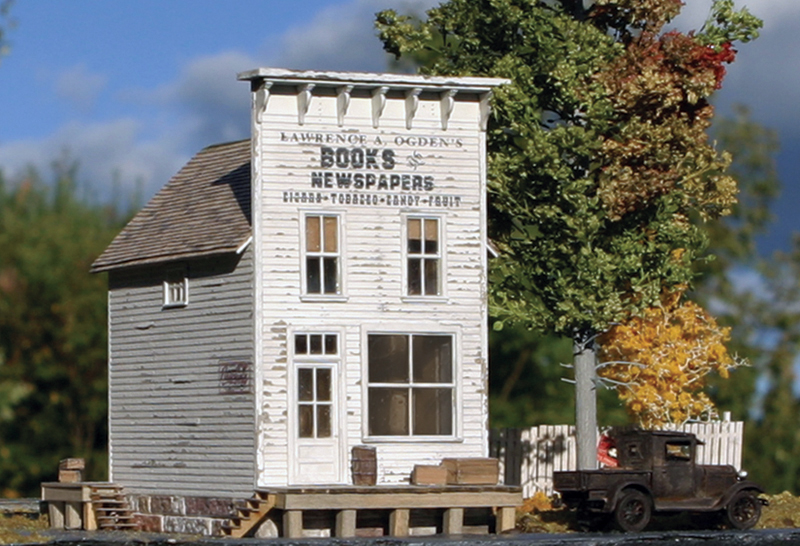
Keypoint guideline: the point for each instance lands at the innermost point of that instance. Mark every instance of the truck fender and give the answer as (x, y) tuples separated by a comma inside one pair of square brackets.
[(616, 493), (740, 486)]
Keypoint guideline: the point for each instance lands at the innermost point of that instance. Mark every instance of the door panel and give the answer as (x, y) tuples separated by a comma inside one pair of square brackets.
[(315, 430)]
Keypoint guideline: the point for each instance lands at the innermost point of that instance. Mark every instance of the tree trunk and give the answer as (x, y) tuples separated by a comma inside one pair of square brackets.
[(585, 403)]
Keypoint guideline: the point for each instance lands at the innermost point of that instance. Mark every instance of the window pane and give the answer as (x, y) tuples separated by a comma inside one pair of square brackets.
[(313, 234), (433, 359), (414, 236), (300, 344), (305, 384), (323, 422), (323, 385), (306, 425), (414, 276), (388, 359), (331, 237), (431, 277), (316, 344), (331, 275), (388, 412), (433, 411), (330, 344), (431, 236), (313, 280)]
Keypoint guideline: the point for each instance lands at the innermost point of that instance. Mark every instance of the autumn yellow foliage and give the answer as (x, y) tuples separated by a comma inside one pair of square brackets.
[(658, 362)]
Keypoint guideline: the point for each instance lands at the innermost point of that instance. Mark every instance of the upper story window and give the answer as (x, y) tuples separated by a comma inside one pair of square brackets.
[(424, 257), (410, 386), (322, 254), (176, 288)]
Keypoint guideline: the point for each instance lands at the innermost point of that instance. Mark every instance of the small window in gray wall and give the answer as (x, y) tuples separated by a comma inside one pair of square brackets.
[(176, 288)]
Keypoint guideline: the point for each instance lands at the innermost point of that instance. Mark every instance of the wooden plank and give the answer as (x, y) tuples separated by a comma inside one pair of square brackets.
[(66, 492), (72, 515), (388, 500), (345, 523), (506, 519), (398, 522), (56, 509), (453, 521), (89, 519), (293, 523)]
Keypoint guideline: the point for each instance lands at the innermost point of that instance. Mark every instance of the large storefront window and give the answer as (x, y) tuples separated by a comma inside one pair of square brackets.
[(411, 387)]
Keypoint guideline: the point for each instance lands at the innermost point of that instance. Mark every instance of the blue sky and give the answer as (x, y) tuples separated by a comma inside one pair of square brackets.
[(133, 89)]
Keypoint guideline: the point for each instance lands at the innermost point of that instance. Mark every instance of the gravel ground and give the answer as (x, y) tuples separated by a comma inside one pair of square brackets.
[(21, 523)]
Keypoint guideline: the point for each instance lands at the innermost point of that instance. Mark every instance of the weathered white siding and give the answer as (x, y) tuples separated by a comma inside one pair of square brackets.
[(373, 298), (181, 388)]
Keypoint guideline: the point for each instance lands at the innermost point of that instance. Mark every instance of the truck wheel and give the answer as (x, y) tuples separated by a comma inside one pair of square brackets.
[(743, 510), (633, 511)]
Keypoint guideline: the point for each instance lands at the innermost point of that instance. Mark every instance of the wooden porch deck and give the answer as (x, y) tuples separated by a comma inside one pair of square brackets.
[(343, 510)]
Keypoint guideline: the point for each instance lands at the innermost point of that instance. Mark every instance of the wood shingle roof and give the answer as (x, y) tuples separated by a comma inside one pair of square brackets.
[(203, 210)]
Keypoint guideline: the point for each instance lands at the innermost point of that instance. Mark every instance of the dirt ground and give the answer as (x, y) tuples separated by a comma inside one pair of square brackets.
[(22, 529), (537, 515)]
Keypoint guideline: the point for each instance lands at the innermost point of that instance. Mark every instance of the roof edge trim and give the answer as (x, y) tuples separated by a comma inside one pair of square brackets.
[(372, 79)]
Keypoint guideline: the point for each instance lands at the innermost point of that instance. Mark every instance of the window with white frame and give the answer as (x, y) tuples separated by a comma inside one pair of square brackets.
[(315, 383), (423, 255), (322, 254), (411, 389), (176, 288)]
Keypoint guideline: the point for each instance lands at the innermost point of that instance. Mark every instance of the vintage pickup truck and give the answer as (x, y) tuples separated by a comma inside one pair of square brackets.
[(656, 472)]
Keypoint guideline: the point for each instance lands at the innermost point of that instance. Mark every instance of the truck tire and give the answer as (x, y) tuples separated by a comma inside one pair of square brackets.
[(633, 511), (743, 510)]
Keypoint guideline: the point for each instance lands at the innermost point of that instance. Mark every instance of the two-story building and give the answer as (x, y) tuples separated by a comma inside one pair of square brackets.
[(317, 287)]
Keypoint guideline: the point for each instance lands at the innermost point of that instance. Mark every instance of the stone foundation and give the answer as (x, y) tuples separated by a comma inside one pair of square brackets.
[(185, 515)]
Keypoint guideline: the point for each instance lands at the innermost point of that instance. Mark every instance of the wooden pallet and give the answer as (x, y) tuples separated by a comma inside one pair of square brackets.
[(249, 517)]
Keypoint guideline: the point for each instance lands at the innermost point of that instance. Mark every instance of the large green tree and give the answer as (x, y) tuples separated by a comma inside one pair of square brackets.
[(52, 329), (598, 154)]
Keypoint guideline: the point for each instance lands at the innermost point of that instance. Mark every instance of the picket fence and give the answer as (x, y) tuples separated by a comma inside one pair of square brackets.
[(528, 457)]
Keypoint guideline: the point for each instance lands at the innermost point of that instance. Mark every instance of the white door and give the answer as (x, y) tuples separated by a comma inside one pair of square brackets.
[(315, 431)]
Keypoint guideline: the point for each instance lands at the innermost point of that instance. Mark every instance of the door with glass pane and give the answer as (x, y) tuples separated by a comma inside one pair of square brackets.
[(315, 431)]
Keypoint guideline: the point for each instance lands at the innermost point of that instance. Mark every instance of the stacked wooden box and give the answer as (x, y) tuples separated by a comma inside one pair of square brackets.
[(459, 471), (70, 470)]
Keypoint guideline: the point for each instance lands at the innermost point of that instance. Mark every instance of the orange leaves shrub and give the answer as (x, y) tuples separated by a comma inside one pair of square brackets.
[(658, 362)]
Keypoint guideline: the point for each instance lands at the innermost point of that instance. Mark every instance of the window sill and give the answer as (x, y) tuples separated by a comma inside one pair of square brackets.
[(425, 299), (323, 298), (174, 305), (412, 439)]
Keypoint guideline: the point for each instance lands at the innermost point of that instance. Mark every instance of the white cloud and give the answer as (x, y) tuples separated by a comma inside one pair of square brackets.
[(80, 86), (107, 154), (342, 37), (212, 104)]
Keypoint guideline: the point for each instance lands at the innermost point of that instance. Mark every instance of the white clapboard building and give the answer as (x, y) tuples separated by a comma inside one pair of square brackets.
[(317, 287)]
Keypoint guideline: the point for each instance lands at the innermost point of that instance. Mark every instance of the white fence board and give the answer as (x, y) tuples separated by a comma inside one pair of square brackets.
[(528, 457)]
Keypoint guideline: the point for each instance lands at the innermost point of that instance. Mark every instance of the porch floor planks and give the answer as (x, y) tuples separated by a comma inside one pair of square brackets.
[(398, 501)]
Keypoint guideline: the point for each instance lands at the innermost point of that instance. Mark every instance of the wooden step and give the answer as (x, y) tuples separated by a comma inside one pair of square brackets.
[(111, 509), (248, 517)]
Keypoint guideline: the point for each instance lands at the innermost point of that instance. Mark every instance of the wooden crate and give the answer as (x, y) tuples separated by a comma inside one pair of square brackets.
[(472, 471), (69, 476), (71, 464), (429, 475)]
